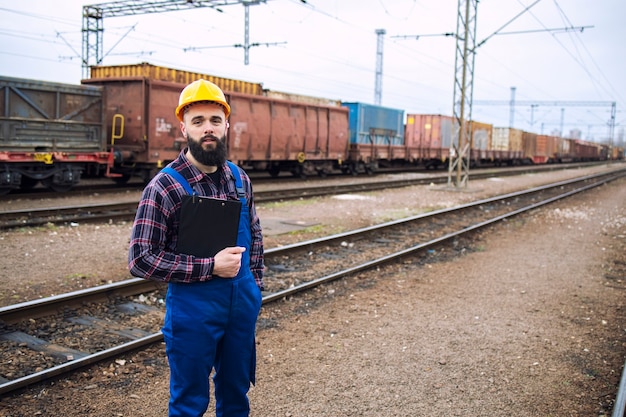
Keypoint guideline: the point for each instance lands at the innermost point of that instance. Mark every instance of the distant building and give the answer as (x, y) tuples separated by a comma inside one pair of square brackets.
[(575, 134)]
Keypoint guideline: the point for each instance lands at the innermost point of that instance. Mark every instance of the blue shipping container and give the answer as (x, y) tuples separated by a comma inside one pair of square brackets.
[(371, 124)]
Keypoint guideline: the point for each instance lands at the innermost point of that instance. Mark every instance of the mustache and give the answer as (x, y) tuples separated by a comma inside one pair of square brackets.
[(211, 137)]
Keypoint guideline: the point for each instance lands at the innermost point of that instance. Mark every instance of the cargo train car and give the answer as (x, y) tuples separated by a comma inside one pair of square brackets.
[(429, 138), (50, 133), (508, 145), (376, 136), (276, 135), (266, 133)]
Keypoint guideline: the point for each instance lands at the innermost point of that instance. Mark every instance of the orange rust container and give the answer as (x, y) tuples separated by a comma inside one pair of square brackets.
[(429, 136), (155, 72)]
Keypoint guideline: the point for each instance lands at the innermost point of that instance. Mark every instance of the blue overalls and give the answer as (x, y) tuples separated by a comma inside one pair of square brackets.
[(212, 325)]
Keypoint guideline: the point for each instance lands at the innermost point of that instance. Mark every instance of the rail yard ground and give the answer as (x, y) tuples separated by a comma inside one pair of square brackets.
[(526, 319)]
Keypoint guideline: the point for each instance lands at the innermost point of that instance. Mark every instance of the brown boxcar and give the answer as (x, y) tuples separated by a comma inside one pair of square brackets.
[(143, 131), (546, 149), (586, 151), (266, 134), (529, 146), (481, 136), (287, 136), (615, 153), (565, 150), (428, 138)]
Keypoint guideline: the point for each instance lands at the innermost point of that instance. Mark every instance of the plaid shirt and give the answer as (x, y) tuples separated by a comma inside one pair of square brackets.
[(152, 253)]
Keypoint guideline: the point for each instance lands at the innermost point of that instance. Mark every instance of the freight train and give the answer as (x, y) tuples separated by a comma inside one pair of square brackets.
[(120, 123)]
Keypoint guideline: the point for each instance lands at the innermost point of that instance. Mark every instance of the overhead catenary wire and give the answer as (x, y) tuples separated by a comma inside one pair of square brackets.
[(415, 84)]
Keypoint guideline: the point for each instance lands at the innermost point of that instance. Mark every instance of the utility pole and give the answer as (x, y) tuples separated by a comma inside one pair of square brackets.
[(246, 38), (512, 110), (246, 46), (466, 45), (460, 144), (378, 91), (93, 18), (532, 114)]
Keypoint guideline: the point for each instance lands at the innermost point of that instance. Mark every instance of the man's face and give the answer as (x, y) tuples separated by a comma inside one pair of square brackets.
[(204, 125)]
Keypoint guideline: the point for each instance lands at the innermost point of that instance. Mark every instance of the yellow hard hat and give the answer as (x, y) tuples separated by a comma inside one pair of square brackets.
[(201, 90)]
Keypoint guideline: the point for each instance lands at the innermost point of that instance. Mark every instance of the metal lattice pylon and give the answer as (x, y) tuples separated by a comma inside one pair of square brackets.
[(460, 143), (93, 15)]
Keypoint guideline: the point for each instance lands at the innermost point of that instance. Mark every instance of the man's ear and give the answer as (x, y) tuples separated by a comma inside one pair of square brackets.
[(183, 129)]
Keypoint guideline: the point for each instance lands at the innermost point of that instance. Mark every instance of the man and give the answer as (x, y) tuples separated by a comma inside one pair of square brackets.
[(212, 302)]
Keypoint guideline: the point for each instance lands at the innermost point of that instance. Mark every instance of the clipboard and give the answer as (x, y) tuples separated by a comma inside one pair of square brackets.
[(207, 225)]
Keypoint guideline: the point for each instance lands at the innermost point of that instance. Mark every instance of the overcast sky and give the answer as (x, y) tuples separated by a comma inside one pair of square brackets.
[(327, 48)]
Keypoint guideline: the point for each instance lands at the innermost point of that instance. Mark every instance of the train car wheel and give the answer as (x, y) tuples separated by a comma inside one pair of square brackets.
[(274, 171), (59, 188), (28, 183), (350, 169), (298, 172), (56, 187)]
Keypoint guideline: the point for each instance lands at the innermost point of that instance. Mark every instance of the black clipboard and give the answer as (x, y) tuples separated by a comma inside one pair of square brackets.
[(207, 225)]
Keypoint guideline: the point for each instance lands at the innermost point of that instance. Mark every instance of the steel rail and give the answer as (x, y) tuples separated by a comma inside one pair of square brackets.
[(46, 306), (620, 399), (158, 337)]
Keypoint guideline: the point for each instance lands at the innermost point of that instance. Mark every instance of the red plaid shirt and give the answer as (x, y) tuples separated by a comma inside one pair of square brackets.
[(152, 253)]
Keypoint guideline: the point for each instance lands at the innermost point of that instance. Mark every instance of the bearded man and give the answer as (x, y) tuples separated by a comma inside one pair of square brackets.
[(212, 302)]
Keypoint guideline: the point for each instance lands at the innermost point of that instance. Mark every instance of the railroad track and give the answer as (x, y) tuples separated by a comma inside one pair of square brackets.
[(107, 186), (61, 334), (126, 210)]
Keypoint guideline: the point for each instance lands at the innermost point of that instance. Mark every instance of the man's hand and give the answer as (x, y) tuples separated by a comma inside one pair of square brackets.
[(228, 261)]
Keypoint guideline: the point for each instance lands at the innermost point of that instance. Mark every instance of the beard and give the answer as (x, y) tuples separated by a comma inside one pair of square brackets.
[(210, 157)]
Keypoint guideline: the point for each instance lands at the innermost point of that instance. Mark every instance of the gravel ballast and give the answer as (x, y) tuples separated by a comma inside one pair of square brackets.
[(524, 319)]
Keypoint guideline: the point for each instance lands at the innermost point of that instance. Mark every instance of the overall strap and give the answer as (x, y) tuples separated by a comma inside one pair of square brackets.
[(178, 177), (237, 174), (238, 184)]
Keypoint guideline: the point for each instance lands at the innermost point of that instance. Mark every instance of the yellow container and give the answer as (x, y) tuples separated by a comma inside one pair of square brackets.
[(154, 72)]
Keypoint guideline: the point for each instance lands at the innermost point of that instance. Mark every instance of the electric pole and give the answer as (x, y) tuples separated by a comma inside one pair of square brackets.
[(378, 91), (460, 144), (93, 20)]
